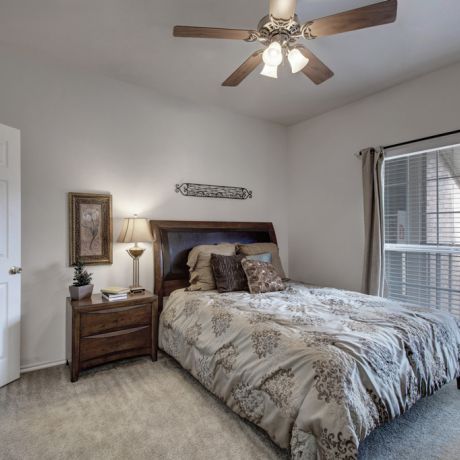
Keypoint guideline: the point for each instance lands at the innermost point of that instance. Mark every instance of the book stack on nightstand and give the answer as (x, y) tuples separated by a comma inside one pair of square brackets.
[(115, 293)]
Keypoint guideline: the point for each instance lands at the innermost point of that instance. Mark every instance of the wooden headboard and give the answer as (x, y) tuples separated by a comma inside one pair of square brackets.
[(174, 240)]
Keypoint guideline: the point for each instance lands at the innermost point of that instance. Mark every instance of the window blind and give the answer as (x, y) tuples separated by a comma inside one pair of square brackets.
[(422, 226)]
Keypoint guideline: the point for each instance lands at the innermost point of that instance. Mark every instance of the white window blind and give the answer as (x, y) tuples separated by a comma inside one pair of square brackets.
[(422, 226)]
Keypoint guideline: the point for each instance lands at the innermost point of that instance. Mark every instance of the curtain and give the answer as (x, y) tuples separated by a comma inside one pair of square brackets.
[(373, 270)]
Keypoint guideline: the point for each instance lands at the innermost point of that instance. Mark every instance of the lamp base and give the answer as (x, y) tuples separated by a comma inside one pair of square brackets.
[(135, 252)]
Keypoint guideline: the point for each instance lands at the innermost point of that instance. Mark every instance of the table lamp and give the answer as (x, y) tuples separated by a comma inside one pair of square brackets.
[(135, 230)]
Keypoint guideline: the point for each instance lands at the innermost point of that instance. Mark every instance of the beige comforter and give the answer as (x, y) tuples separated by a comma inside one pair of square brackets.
[(316, 368)]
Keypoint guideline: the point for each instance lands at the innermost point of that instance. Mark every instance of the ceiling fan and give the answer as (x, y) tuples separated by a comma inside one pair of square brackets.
[(280, 32)]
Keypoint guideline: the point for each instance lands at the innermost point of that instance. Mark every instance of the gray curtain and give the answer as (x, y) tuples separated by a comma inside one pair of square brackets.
[(373, 271)]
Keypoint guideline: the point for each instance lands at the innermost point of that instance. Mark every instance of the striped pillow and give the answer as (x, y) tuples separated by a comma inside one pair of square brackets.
[(228, 273)]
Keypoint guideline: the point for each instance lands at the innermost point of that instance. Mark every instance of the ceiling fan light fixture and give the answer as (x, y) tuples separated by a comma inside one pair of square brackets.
[(273, 55), (297, 60), (270, 71)]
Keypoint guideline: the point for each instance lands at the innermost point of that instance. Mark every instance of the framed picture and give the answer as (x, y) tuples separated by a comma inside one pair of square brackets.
[(90, 228)]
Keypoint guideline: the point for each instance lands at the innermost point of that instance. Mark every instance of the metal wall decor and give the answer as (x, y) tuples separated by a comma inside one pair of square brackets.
[(214, 191)]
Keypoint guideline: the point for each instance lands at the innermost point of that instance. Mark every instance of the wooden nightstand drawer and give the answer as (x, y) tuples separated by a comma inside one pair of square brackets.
[(114, 342), (99, 331), (95, 322)]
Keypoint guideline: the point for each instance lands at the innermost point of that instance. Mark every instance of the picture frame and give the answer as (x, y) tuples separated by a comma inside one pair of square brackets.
[(90, 228)]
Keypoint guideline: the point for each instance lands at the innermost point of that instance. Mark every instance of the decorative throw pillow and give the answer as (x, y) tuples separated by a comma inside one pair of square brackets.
[(262, 277), (199, 263), (261, 248), (265, 257), (228, 273)]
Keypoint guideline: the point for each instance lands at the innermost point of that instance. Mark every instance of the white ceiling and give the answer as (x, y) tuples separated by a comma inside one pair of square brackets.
[(132, 40)]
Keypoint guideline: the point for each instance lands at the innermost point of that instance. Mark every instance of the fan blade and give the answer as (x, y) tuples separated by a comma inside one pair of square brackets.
[(360, 18), (244, 69), (315, 70), (212, 32), (282, 9)]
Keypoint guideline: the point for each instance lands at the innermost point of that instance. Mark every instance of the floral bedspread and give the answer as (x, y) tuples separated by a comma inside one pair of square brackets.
[(317, 368)]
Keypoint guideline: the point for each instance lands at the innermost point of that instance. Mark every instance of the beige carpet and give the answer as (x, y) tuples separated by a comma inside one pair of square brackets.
[(144, 410)]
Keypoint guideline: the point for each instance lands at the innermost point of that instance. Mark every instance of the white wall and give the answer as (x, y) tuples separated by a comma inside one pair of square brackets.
[(87, 133), (325, 197)]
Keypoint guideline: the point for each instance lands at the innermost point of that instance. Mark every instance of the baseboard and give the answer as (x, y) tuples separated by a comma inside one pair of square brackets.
[(38, 366)]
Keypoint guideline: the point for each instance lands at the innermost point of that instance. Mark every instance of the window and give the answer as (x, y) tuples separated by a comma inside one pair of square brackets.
[(422, 225)]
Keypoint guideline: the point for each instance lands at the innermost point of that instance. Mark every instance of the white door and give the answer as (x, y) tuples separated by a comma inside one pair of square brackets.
[(10, 253)]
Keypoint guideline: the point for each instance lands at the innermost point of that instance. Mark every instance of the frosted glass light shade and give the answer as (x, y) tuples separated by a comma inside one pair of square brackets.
[(273, 55), (270, 71), (135, 230), (297, 60)]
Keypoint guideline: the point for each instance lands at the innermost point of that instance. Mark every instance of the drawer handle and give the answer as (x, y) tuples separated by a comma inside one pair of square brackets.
[(116, 333), (116, 310)]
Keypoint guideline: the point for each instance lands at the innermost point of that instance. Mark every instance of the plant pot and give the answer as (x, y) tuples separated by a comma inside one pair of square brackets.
[(81, 292)]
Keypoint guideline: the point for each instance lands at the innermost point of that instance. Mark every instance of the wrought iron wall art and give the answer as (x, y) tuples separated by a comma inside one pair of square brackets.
[(214, 191)]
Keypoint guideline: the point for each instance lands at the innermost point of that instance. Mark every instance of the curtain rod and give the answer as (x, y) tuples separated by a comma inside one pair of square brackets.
[(421, 139)]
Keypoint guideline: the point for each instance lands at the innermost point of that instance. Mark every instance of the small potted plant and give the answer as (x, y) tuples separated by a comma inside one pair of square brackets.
[(82, 287)]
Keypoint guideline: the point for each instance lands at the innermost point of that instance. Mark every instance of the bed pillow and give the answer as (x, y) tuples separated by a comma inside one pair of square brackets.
[(264, 257), (262, 277), (261, 248), (228, 273), (199, 263)]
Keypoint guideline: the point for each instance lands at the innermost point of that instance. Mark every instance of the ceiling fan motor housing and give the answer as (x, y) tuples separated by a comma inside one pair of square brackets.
[(283, 31)]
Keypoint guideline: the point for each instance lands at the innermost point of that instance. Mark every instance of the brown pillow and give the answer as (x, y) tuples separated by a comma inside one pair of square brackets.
[(228, 273), (199, 263), (262, 277), (259, 248)]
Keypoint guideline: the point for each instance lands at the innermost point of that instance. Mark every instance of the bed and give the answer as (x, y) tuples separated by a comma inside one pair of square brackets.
[(317, 368)]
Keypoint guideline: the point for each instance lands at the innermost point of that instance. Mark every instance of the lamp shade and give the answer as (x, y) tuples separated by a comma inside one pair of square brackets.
[(135, 230), (269, 71), (297, 60)]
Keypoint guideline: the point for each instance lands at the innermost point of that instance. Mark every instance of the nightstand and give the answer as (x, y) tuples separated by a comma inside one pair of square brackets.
[(99, 331)]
